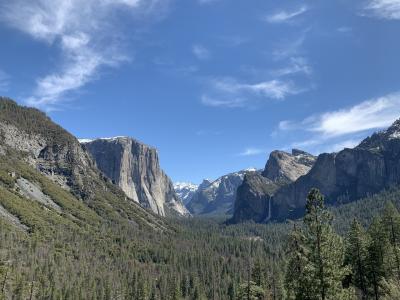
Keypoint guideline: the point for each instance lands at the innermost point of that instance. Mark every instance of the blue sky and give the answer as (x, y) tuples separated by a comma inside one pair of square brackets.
[(214, 85)]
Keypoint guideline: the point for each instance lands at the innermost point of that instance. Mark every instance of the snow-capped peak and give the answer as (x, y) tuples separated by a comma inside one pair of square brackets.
[(84, 141), (183, 185), (185, 190)]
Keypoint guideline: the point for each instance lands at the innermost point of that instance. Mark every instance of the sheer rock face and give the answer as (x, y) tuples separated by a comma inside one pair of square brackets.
[(254, 197), (217, 197), (286, 167), (346, 176), (135, 168)]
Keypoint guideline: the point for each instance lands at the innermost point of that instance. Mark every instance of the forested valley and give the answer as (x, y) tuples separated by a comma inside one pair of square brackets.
[(327, 255)]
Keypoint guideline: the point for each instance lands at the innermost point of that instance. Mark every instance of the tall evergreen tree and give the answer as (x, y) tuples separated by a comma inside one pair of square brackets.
[(322, 273), (377, 262), (297, 261), (356, 257), (391, 224)]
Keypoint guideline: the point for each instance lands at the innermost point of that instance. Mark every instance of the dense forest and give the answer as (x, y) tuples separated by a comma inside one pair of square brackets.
[(206, 259)]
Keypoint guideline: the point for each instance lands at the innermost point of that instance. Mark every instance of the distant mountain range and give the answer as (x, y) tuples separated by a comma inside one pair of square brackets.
[(212, 197), (185, 191), (120, 177), (280, 192)]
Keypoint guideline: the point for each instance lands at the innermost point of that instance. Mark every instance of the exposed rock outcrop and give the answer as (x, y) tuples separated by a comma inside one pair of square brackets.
[(135, 168), (253, 200), (254, 197), (32, 145), (217, 197), (346, 176), (46, 146), (285, 167)]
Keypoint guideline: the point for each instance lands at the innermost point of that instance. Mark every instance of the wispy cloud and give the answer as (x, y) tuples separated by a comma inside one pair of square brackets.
[(384, 9), (252, 152), (85, 33), (4, 81), (371, 114), (228, 92), (285, 16), (297, 65), (345, 127), (201, 52)]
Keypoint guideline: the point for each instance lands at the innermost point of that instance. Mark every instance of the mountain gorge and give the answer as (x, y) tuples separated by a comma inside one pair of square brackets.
[(216, 197), (85, 219)]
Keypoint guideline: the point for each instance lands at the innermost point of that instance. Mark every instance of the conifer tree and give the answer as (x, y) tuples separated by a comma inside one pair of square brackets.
[(297, 261), (356, 257), (391, 224), (377, 262), (321, 268)]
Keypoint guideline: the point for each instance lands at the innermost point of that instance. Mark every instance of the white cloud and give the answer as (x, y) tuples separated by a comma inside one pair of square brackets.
[(371, 114), (228, 92), (201, 52), (252, 152), (223, 102), (344, 128), (368, 115), (4, 81), (84, 31), (287, 125), (285, 16), (274, 89), (297, 65), (384, 9)]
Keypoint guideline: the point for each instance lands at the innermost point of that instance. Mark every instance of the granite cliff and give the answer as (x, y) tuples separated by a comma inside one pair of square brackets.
[(254, 197), (135, 168), (346, 176)]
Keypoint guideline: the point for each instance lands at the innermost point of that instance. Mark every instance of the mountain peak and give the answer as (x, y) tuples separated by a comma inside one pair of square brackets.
[(287, 167)]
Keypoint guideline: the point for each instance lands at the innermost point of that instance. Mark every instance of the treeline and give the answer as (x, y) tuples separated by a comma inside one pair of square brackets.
[(363, 265), (202, 259), (199, 260)]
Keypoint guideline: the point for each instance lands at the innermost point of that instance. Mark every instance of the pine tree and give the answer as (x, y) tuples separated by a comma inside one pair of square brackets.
[(321, 267), (377, 262), (295, 271), (391, 224), (250, 291), (356, 257)]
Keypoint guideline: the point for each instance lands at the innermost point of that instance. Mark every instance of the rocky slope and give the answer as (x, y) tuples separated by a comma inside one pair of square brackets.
[(185, 191), (135, 168), (347, 175), (46, 177), (217, 197), (254, 197)]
